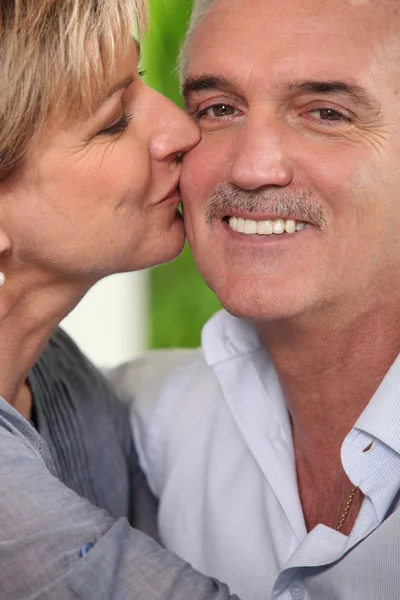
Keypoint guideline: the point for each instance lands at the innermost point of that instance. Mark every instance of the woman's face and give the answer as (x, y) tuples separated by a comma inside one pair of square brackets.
[(99, 195)]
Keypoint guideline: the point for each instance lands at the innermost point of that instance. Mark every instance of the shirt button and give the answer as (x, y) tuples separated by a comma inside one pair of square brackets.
[(86, 549), (297, 591)]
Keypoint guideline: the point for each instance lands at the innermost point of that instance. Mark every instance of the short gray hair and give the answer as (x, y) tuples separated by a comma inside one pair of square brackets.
[(200, 8)]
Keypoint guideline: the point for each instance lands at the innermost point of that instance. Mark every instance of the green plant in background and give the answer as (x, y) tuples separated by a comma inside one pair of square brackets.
[(180, 301)]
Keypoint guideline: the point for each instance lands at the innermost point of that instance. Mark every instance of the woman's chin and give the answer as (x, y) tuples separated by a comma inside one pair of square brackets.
[(167, 246), (174, 242)]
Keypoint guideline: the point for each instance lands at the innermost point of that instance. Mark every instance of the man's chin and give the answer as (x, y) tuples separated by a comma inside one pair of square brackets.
[(259, 305)]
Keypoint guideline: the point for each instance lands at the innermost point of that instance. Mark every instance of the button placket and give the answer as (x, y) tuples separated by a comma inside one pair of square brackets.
[(297, 590)]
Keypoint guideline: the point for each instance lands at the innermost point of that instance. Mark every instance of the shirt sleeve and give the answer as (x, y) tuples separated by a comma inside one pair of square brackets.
[(55, 544)]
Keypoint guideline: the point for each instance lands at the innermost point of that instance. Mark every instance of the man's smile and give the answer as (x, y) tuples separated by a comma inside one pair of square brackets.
[(265, 227)]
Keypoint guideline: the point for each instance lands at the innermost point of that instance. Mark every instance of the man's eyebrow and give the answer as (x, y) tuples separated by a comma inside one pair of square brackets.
[(353, 90), (311, 86), (204, 83)]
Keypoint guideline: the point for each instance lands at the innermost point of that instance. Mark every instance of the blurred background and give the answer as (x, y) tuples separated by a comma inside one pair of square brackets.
[(167, 306)]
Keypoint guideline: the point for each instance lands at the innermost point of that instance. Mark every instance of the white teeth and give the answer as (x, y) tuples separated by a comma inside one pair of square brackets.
[(290, 226), (300, 226), (250, 227), (277, 227), (264, 227), (240, 225), (233, 223)]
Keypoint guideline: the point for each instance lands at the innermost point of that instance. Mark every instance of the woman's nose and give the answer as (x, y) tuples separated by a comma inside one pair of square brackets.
[(174, 133)]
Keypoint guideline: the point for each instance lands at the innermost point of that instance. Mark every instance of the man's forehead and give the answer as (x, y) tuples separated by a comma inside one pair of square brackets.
[(387, 3), (381, 14), (392, 5), (351, 28)]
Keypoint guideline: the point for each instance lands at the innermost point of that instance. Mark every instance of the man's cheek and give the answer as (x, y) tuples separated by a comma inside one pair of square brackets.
[(194, 173), (193, 209), (204, 168)]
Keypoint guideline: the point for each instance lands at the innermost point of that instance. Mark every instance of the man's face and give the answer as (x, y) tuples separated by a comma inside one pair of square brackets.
[(299, 107)]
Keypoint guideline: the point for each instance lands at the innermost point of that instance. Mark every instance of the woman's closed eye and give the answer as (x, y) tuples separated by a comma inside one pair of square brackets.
[(118, 127), (121, 120)]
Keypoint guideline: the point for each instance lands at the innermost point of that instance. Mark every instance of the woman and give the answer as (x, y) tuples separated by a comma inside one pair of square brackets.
[(90, 166)]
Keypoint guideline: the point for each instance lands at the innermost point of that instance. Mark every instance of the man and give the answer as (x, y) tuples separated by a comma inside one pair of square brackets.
[(275, 450)]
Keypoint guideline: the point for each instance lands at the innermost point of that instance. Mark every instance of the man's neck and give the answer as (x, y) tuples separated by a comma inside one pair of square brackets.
[(329, 369)]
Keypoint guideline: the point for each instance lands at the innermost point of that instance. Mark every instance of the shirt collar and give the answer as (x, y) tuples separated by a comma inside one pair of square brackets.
[(225, 337), (381, 417)]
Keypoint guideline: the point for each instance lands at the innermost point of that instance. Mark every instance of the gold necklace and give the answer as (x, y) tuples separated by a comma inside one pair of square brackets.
[(346, 508)]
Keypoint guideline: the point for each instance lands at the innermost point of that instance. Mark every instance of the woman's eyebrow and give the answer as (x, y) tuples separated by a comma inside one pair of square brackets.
[(121, 85)]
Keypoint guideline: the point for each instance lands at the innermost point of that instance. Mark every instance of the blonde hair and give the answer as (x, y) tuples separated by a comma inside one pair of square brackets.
[(54, 51), (200, 8)]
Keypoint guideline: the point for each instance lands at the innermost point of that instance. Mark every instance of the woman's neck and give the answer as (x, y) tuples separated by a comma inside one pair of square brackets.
[(29, 313), (23, 401)]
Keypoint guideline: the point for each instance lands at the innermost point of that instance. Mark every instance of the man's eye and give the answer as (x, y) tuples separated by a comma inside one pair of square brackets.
[(328, 114), (217, 110), (119, 127)]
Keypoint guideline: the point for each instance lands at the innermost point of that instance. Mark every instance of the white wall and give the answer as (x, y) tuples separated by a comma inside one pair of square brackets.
[(110, 324)]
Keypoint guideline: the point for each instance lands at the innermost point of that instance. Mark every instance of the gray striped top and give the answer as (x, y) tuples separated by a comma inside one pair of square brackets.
[(87, 430), (54, 543)]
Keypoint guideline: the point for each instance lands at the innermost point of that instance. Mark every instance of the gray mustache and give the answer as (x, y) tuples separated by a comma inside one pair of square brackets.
[(300, 204)]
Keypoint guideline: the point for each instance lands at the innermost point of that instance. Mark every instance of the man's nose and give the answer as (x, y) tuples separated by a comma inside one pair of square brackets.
[(173, 132), (259, 157)]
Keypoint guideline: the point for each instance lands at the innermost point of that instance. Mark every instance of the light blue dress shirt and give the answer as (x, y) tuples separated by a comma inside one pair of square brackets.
[(215, 442)]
